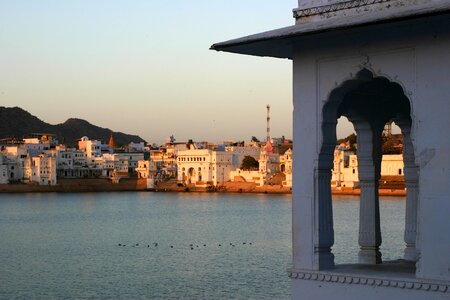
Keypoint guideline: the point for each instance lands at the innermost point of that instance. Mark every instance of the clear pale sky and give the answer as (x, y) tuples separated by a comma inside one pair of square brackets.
[(144, 67)]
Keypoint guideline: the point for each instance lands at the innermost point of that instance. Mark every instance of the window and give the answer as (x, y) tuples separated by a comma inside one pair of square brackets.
[(399, 171)]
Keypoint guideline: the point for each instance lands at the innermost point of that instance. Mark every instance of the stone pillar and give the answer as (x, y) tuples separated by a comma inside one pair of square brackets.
[(324, 258), (411, 173), (323, 222), (369, 165)]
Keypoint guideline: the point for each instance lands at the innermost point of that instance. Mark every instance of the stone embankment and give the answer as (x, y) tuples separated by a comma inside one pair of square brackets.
[(133, 184), (77, 185), (357, 192)]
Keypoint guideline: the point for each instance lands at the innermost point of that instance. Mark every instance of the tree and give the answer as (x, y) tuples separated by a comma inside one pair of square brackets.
[(392, 144), (249, 163), (255, 139), (351, 140)]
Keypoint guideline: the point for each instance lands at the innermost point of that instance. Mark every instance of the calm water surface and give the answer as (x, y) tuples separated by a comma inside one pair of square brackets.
[(66, 245)]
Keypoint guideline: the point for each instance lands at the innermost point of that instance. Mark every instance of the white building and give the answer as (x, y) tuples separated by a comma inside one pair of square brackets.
[(392, 165), (132, 159), (137, 147), (345, 168), (147, 170), (373, 62), (43, 170), (269, 165), (204, 167), (245, 175), (35, 146), (91, 148), (12, 160), (3, 172), (286, 167), (116, 165), (240, 152)]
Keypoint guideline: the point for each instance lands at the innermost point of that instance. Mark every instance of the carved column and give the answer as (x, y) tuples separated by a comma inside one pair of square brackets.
[(324, 232), (411, 173), (324, 222), (369, 165)]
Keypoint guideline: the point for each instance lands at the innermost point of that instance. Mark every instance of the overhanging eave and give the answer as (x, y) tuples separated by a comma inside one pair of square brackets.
[(280, 43)]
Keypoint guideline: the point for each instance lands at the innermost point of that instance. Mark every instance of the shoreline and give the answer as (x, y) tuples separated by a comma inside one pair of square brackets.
[(139, 185)]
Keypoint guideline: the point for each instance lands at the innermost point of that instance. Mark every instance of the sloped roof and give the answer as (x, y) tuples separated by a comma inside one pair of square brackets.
[(280, 42)]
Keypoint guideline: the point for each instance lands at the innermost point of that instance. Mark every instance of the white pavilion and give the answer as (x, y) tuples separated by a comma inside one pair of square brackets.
[(373, 61)]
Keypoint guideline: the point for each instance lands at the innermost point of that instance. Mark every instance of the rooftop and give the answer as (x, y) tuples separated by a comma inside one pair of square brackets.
[(340, 15)]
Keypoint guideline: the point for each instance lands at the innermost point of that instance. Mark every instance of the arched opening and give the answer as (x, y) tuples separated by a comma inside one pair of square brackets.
[(190, 175), (369, 103)]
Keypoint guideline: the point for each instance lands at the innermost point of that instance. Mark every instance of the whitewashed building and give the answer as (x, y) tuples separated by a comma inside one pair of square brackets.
[(3, 171), (374, 62), (204, 167), (286, 167), (269, 165), (345, 168), (132, 159), (12, 160), (35, 146), (91, 148), (246, 176), (147, 170), (137, 147), (43, 170)]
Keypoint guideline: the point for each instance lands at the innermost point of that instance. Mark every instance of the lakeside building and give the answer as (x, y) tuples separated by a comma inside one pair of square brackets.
[(202, 164), (92, 148), (269, 165), (345, 167), (43, 161), (3, 171), (43, 170), (205, 167), (147, 170), (137, 147), (373, 62), (286, 167)]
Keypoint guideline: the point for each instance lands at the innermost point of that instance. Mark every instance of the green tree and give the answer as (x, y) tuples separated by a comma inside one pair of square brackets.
[(255, 139), (249, 163), (351, 140)]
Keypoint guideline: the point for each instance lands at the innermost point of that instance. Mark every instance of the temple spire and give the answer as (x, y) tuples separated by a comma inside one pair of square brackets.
[(111, 144)]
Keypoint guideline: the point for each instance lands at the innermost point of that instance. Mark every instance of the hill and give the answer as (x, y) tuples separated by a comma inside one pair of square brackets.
[(18, 123)]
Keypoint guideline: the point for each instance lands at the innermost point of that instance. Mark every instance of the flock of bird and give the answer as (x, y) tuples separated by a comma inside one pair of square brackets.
[(191, 246)]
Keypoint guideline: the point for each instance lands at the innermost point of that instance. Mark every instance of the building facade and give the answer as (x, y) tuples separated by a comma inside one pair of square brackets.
[(43, 170)]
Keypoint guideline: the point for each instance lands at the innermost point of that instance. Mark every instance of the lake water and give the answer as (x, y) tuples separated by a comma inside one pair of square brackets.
[(67, 245)]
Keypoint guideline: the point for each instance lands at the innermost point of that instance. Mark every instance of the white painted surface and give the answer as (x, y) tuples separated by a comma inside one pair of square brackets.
[(420, 63), (413, 54)]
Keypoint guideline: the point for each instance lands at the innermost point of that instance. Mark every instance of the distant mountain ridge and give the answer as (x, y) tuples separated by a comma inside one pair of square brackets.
[(17, 122)]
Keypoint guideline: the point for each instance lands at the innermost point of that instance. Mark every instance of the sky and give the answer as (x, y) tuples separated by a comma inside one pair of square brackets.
[(144, 66)]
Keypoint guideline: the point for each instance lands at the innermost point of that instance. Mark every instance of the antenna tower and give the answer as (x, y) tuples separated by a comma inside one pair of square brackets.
[(388, 128), (268, 123)]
